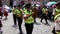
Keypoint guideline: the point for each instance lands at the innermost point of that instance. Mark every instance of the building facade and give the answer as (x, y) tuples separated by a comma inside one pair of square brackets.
[(7, 2)]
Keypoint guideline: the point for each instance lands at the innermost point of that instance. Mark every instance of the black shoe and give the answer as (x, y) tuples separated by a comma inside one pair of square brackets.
[(21, 33), (54, 33), (1, 32), (14, 26), (47, 24), (41, 21)]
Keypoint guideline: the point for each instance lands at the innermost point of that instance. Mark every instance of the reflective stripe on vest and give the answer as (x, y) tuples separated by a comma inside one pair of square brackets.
[(55, 18), (30, 19)]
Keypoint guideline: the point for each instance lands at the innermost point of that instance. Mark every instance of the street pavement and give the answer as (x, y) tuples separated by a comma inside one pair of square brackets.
[(39, 28)]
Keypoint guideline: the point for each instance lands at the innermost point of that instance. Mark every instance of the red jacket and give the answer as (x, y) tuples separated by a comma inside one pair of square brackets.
[(5, 13)]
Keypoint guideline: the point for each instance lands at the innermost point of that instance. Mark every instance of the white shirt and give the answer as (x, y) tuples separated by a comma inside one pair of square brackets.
[(54, 11)]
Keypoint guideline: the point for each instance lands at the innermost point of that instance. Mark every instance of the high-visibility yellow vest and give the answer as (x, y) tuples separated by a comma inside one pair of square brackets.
[(56, 16), (44, 10), (14, 11), (57, 11), (30, 19), (18, 13)]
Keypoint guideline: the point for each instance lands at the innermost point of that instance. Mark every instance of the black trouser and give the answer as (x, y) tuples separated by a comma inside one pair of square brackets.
[(14, 18), (53, 31), (53, 17), (50, 15), (35, 19), (44, 17), (19, 24), (29, 28)]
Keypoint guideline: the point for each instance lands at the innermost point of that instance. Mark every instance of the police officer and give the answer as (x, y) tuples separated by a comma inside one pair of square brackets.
[(19, 18), (57, 14), (29, 20), (44, 14), (35, 15), (14, 15), (57, 10)]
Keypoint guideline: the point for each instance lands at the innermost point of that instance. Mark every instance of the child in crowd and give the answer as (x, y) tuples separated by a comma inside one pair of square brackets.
[(5, 13)]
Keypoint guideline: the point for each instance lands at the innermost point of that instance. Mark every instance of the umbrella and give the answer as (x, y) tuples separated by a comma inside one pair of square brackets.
[(58, 3), (51, 3), (5, 6), (53, 6)]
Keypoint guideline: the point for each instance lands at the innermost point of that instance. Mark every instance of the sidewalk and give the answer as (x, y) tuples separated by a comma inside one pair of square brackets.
[(38, 29)]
